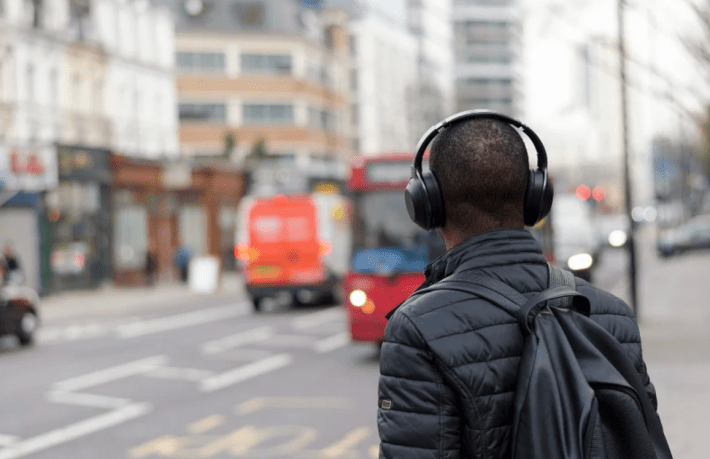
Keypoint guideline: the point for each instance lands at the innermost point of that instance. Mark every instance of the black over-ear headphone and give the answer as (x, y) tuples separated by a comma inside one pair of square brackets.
[(423, 196)]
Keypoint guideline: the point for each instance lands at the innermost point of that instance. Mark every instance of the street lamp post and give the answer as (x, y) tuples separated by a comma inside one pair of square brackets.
[(630, 244)]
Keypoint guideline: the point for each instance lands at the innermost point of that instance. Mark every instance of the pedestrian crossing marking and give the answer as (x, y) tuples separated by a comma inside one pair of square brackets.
[(260, 403), (166, 445), (374, 451), (205, 424), (344, 446)]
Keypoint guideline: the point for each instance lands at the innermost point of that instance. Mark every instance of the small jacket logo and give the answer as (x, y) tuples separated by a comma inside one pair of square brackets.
[(386, 404)]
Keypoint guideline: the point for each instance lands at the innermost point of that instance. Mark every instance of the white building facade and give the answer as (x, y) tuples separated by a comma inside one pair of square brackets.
[(142, 105), (430, 23), (79, 80), (384, 77), (384, 86), (488, 45)]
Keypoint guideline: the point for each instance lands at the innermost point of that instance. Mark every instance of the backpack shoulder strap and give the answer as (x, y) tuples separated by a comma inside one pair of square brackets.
[(562, 278), (489, 288)]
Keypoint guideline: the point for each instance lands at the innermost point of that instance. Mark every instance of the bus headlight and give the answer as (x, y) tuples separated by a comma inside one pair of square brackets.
[(580, 261), (358, 298)]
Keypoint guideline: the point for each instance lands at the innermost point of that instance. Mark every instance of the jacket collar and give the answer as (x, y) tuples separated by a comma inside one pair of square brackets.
[(492, 248)]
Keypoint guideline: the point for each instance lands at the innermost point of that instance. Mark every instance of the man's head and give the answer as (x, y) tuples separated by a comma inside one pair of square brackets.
[(482, 166)]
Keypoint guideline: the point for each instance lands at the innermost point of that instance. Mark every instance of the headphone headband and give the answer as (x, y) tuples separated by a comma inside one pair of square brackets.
[(474, 114), (423, 195)]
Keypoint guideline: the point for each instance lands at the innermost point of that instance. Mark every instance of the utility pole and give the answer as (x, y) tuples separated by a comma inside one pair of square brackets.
[(631, 241)]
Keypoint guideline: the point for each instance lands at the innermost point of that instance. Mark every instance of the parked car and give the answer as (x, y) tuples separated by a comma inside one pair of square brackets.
[(691, 235), (19, 306)]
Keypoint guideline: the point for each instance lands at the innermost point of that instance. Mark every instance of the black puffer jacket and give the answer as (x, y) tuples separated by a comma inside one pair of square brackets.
[(449, 360)]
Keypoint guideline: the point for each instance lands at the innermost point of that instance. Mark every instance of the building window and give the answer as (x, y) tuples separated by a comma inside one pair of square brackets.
[(251, 14), (353, 80), (30, 83), (76, 83), (268, 114), (202, 112), (200, 62), (324, 120), (485, 84), (480, 32), (353, 45), (130, 237), (98, 102), (266, 63), (80, 18)]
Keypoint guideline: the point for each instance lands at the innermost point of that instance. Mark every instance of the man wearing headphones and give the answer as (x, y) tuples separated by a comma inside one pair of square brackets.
[(449, 362)]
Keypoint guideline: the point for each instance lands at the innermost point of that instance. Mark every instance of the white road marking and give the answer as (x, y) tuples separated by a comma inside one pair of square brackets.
[(7, 440), (74, 431), (175, 322), (332, 343), (188, 374), (93, 400), (290, 341), (110, 374), (236, 340), (245, 372), (318, 318)]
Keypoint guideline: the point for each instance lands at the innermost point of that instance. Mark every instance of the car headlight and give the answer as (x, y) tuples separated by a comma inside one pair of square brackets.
[(580, 261), (358, 298), (617, 238)]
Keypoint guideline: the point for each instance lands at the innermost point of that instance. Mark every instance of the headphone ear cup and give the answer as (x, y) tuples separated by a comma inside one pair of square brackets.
[(415, 199), (548, 195), (533, 194), (437, 217)]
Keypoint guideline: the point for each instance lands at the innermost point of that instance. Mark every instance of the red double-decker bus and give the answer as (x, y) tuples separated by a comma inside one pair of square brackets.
[(389, 252)]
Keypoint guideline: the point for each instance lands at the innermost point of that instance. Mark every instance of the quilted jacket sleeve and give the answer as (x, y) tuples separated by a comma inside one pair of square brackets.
[(417, 415)]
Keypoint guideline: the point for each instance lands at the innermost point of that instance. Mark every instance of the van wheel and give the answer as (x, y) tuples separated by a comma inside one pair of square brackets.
[(26, 328), (257, 304)]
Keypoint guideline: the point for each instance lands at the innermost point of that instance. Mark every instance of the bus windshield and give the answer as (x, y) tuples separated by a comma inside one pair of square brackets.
[(385, 240)]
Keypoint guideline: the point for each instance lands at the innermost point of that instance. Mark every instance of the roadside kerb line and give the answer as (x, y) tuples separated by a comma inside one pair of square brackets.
[(236, 340), (332, 343), (110, 374), (178, 321), (318, 318), (245, 372), (73, 431)]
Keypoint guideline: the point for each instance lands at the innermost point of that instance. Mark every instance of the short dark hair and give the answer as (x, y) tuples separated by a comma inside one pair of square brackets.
[(482, 166)]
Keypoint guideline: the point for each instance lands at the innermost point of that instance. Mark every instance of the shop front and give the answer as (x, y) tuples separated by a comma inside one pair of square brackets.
[(159, 207), (79, 212), (26, 173)]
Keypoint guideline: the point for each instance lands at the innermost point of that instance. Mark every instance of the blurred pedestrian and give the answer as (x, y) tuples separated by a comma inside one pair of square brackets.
[(13, 270), (151, 266), (449, 361), (183, 254)]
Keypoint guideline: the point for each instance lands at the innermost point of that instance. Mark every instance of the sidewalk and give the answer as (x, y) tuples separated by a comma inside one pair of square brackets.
[(674, 308), (110, 300)]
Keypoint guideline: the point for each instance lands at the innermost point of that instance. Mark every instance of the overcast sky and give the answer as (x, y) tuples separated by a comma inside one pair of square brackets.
[(553, 29)]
